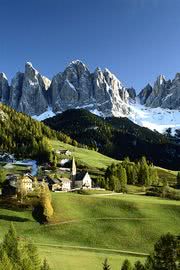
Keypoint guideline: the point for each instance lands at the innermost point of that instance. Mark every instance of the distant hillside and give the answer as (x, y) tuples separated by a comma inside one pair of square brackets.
[(25, 137), (117, 137)]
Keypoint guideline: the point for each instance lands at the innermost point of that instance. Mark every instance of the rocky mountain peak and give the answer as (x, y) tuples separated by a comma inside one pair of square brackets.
[(164, 93), (78, 67), (76, 87), (177, 77), (160, 80), (4, 88), (145, 93), (3, 76), (30, 71), (111, 79), (132, 93)]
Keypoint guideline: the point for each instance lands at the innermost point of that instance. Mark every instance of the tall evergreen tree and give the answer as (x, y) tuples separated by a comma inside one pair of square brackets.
[(144, 172), (106, 266), (153, 176), (165, 254), (17, 255), (10, 246), (138, 266), (45, 265), (149, 263), (33, 255), (178, 179), (123, 178), (126, 265), (5, 262), (2, 176)]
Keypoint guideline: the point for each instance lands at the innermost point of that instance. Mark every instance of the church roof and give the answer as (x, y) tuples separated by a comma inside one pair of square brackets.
[(65, 180), (80, 176)]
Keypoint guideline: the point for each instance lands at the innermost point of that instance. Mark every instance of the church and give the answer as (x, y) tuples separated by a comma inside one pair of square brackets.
[(80, 180)]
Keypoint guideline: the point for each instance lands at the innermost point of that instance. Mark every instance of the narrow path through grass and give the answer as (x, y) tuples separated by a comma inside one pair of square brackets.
[(94, 219), (96, 249)]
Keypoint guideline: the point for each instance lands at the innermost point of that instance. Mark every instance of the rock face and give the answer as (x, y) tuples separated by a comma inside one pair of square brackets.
[(145, 93), (27, 93), (76, 87), (16, 90), (132, 93), (32, 100), (164, 93), (4, 89)]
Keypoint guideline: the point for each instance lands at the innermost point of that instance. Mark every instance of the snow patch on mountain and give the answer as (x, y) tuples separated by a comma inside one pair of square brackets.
[(158, 119), (97, 112), (47, 114), (47, 82)]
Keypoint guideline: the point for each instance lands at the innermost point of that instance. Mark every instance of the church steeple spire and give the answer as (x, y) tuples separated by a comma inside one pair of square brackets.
[(73, 172)]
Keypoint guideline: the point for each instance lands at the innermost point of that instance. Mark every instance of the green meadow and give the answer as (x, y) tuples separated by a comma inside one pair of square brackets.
[(86, 229), (87, 157)]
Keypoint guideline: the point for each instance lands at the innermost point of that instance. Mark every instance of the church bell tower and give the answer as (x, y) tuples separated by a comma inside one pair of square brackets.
[(73, 172)]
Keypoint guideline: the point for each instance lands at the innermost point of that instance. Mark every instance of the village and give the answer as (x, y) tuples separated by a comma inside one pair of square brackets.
[(65, 178)]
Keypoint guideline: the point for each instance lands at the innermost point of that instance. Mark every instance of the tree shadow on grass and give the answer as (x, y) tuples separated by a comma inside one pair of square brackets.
[(38, 214), (13, 218)]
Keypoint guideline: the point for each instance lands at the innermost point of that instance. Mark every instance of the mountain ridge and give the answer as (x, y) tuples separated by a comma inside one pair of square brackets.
[(100, 92)]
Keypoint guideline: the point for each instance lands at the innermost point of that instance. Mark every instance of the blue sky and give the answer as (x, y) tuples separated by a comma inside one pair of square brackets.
[(136, 39)]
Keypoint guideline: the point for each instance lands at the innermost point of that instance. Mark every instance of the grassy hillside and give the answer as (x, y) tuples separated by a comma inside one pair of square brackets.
[(125, 222), (76, 259), (94, 160), (109, 223), (87, 157), (168, 175), (117, 137)]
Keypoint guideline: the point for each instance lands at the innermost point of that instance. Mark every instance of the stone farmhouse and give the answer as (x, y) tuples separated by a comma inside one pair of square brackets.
[(61, 184), (63, 152), (15, 184), (25, 183)]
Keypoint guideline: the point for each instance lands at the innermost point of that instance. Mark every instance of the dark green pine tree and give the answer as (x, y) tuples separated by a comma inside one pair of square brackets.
[(178, 179), (153, 176), (134, 174), (33, 256), (10, 246), (126, 265), (165, 253), (2, 176), (106, 266), (123, 178), (109, 175), (143, 177), (45, 265), (117, 184), (149, 263), (26, 263), (138, 266), (5, 262)]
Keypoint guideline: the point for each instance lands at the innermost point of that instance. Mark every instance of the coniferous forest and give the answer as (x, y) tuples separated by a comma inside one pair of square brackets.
[(117, 137), (25, 137)]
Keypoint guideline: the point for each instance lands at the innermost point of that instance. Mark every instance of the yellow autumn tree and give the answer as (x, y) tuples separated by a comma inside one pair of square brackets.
[(45, 200)]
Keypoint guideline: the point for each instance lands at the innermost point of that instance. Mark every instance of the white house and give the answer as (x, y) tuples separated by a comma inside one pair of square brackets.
[(83, 180), (25, 183), (65, 184)]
